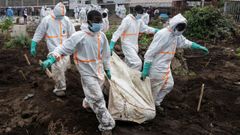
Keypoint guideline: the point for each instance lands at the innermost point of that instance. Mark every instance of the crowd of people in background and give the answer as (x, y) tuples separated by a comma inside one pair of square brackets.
[(150, 13), (20, 11), (80, 12)]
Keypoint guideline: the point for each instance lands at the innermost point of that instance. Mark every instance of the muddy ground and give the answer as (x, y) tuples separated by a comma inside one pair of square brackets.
[(45, 113)]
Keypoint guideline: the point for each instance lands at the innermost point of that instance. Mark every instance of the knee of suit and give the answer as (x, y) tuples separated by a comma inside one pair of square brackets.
[(97, 103)]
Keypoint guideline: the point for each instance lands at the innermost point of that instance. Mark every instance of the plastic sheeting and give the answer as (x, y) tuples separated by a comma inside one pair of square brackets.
[(130, 99)]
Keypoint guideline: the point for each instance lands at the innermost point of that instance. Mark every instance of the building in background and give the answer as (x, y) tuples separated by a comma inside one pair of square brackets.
[(33, 6), (28, 3)]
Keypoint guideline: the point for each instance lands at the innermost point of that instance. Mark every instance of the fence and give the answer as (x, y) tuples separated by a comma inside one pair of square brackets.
[(233, 8)]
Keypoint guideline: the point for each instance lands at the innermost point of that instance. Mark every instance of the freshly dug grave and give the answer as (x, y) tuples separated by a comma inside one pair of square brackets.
[(44, 113)]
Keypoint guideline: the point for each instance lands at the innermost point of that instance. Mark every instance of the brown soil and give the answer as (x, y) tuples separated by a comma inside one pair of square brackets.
[(45, 114)]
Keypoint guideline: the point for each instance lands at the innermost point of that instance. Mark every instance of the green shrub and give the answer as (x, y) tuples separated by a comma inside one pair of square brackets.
[(20, 41), (157, 23), (210, 24), (238, 52), (6, 24), (110, 32), (144, 41)]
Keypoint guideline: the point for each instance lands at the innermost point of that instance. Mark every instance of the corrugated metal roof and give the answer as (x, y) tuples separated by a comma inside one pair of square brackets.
[(144, 1), (150, 1)]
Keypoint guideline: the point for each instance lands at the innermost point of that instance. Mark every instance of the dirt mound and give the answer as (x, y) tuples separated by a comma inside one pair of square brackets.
[(45, 114)]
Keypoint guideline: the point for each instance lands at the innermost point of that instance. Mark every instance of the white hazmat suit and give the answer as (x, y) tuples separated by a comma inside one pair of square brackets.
[(92, 57), (83, 15), (129, 31), (42, 12), (117, 9), (56, 31), (105, 26), (48, 11), (145, 18), (76, 13), (160, 53), (123, 11)]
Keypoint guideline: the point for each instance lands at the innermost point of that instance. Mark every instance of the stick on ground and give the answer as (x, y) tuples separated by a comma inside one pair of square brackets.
[(26, 57), (24, 77), (200, 98), (208, 62), (49, 74)]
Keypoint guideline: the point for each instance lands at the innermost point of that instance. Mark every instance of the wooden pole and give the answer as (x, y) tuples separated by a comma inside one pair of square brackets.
[(24, 77), (208, 62), (26, 57), (49, 74), (200, 98)]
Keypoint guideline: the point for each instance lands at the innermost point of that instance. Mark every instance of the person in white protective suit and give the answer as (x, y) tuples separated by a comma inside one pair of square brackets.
[(98, 8), (120, 11), (83, 16), (160, 53), (123, 11), (145, 18), (92, 59), (76, 12), (106, 10), (129, 31), (105, 26), (25, 15), (48, 11), (55, 28), (43, 12), (117, 10), (89, 8)]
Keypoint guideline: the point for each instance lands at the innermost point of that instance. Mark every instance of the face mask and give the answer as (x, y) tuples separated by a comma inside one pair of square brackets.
[(59, 17), (96, 27), (138, 16)]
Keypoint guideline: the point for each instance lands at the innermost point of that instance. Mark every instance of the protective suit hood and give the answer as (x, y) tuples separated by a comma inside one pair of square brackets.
[(59, 10), (175, 21)]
